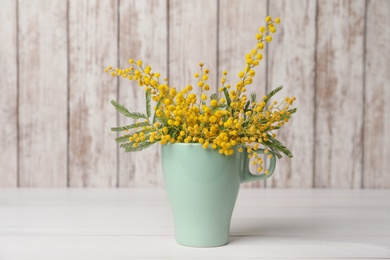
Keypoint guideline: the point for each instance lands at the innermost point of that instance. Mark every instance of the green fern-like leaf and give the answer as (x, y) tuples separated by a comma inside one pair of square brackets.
[(128, 127), (213, 96), (274, 143), (247, 105), (272, 93), (163, 120), (122, 139), (253, 97), (227, 97), (291, 111), (148, 106), (125, 138), (141, 146), (145, 131), (219, 106), (124, 111), (157, 107), (276, 152)]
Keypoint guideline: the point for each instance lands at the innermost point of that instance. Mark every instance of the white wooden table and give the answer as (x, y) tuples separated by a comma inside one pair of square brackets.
[(137, 224)]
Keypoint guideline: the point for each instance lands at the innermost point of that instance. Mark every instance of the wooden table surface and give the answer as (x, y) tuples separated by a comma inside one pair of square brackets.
[(137, 224)]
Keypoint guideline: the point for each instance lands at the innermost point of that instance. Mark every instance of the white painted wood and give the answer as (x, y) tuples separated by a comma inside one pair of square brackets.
[(192, 39), (79, 247), (214, 32), (137, 223), (42, 93), (239, 22), (92, 47), (291, 63), (143, 35), (339, 94), (310, 198), (239, 227), (248, 221), (8, 97), (377, 94)]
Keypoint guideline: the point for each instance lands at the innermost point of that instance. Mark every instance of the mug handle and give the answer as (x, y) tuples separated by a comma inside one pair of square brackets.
[(246, 176)]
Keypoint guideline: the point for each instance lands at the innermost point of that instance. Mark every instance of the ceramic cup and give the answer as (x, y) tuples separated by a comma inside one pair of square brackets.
[(202, 187)]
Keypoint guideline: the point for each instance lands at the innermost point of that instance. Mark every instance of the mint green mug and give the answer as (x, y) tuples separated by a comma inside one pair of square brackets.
[(202, 187)]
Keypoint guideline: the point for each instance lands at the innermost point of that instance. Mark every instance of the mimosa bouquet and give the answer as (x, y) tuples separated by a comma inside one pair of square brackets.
[(220, 121)]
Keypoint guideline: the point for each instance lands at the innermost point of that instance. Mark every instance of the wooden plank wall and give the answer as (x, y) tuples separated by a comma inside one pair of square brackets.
[(42, 93), (339, 93), (9, 95), (55, 107), (92, 43), (141, 38), (291, 63), (376, 140)]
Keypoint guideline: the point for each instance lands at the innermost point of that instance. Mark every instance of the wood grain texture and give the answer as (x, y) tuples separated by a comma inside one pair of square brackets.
[(8, 97), (291, 63), (42, 93), (143, 35), (165, 247), (92, 47), (238, 24), (192, 39), (339, 94), (137, 223), (332, 56), (377, 96)]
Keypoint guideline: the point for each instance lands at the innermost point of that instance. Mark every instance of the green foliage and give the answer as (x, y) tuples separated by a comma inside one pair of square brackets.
[(125, 138), (124, 111), (272, 93), (128, 127), (163, 120), (247, 106), (219, 106), (253, 97), (157, 107), (148, 106), (288, 116), (277, 147), (122, 139), (227, 97), (141, 146), (213, 96)]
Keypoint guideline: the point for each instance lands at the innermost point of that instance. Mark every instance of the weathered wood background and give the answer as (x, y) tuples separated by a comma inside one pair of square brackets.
[(55, 111)]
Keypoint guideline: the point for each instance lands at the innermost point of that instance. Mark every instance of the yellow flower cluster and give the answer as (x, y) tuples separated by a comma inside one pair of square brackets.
[(219, 121)]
